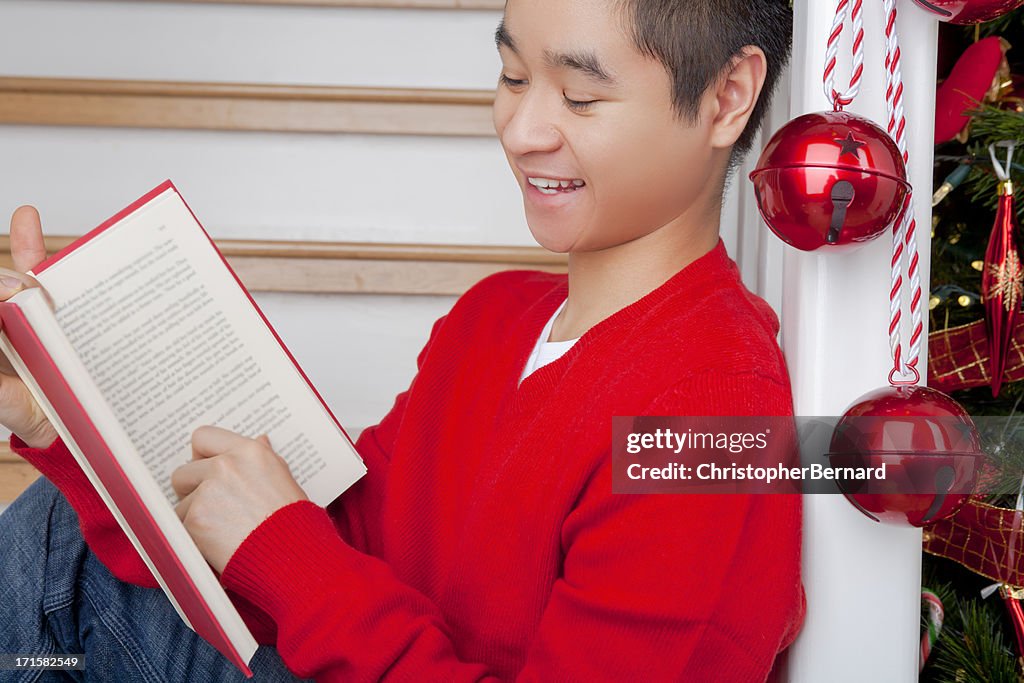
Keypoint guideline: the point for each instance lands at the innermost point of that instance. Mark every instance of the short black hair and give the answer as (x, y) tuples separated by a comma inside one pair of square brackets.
[(696, 40)]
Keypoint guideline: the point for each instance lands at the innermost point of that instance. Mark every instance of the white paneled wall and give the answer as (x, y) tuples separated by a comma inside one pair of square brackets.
[(359, 188), (240, 43), (353, 348), (344, 187)]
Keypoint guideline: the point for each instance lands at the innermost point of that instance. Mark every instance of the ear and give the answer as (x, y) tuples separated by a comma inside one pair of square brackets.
[(735, 94)]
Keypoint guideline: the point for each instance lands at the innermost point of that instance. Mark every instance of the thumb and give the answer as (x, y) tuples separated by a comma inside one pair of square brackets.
[(265, 440), (27, 246), (11, 282)]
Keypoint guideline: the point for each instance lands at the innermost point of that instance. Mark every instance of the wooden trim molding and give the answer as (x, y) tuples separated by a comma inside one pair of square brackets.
[(361, 268), (245, 107)]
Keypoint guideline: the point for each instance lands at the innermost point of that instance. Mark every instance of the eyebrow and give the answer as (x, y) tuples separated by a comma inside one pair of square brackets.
[(502, 37), (586, 63)]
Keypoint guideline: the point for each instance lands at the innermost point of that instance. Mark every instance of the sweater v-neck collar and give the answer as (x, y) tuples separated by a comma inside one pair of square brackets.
[(692, 280)]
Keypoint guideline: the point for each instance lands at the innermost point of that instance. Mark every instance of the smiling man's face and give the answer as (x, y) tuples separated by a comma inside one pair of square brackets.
[(577, 103)]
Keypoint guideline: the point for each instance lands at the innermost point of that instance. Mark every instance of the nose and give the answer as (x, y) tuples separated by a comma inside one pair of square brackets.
[(526, 123)]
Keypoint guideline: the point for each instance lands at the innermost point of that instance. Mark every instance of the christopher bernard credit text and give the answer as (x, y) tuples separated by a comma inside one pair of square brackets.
[(736, 472)]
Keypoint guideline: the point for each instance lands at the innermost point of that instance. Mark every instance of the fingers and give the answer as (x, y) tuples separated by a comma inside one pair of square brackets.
[(186, 478), (5, 366), (209, 441), (12, 282), (181, 509), (27, 247), (21, 414)]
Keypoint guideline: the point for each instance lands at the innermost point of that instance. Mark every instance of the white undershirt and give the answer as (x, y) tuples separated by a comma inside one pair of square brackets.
[(546, 351)]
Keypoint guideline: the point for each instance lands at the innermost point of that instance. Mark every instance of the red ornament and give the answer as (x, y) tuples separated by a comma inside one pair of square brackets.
[(1011, 598), (969, 11), (1001, 286), (828, 179), (929, 446), (975, 78), (1002, 279)]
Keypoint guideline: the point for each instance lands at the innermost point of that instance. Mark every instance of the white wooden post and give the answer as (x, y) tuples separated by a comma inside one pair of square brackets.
[(862, 578)]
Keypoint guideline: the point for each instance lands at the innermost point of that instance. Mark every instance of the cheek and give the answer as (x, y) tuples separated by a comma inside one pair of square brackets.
[(501, 112), (645, 184)]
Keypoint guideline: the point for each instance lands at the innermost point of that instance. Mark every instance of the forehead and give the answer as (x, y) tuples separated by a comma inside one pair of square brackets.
[(586, 39), (547, 29)]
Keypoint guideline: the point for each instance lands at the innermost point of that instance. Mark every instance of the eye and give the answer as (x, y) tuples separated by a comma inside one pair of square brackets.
[(576, 105), (510, 82)]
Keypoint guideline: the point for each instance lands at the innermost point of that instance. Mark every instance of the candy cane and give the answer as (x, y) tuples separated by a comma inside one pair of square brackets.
[(935, 618)]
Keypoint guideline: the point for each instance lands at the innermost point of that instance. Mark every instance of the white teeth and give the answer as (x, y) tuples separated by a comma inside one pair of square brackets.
[(547, 191), (540, 183)]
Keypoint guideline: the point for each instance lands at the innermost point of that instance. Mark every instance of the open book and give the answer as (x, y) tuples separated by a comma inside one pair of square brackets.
[(141, 333)]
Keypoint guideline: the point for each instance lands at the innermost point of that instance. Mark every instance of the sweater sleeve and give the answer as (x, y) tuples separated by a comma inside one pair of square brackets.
[(654, 587)]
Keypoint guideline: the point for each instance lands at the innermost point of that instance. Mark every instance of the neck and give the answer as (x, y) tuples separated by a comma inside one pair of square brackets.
[(603, 282)]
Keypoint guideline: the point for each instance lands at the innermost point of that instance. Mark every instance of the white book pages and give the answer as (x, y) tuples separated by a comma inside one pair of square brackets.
[(173, 342)]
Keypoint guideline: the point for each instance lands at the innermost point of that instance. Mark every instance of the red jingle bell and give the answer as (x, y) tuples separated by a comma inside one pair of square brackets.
[(928, 444), (828, 179), (969, 11)]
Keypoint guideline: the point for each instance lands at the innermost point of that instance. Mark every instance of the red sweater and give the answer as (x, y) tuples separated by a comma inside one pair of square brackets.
[(485, 542)]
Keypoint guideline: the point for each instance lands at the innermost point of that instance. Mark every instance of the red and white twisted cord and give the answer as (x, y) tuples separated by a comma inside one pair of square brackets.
[(840, 100), (904, 242)]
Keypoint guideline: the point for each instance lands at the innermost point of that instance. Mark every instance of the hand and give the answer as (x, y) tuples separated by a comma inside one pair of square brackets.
[(19, 412), (232, 484)]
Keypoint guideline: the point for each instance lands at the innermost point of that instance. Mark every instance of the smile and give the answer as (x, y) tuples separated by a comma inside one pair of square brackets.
[(556, 185)]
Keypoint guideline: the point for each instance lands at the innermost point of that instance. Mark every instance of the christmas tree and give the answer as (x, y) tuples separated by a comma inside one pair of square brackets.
[(979, 638)]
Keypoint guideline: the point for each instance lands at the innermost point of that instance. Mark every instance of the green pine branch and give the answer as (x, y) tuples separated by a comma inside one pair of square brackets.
[(990, 124), (974, 650), (977, 643), (1008, 23), (1005, 448)]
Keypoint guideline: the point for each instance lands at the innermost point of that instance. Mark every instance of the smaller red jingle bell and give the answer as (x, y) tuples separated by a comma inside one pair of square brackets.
[(930, 448), (828, 179), (969, 11)]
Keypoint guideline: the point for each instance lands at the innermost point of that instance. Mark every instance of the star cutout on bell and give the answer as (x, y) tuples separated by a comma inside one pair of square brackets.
[(964, 429), (850, 145)]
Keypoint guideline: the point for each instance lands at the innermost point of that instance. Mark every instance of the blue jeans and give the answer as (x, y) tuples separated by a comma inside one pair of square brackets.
[(57, 598)]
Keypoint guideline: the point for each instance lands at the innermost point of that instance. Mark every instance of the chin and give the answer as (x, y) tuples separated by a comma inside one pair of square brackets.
[(552, 242), (558, 236)]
